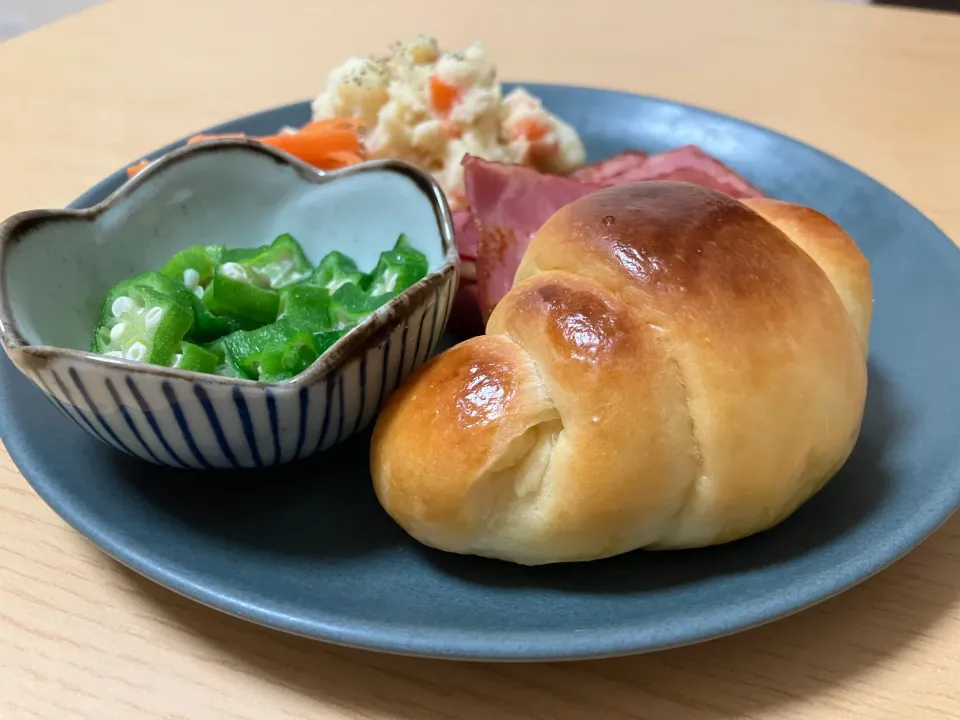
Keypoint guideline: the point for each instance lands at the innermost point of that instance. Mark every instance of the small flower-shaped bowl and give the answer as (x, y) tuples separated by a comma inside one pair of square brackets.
[(57, 265)]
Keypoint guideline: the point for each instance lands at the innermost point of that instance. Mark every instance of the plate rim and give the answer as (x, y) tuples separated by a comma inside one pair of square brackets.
[(533, 646)]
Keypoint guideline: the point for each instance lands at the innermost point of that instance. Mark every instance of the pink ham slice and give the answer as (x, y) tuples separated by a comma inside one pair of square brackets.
[(465, 318), (468, 237), (688, 164), (607, 170), (509, 203)]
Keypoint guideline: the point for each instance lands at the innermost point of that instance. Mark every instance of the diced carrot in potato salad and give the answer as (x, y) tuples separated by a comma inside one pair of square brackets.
[(431, 107)]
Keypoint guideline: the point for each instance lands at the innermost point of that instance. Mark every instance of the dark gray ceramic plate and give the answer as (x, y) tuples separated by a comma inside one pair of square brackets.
[(310, 551)]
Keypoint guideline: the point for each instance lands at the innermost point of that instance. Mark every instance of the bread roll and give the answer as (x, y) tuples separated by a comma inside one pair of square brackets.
[(671, 369)]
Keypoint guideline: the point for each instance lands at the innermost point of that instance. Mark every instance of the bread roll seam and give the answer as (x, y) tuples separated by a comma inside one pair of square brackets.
[(691, 489)]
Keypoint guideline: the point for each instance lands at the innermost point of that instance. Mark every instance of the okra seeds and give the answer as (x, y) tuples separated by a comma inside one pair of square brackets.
[(261, 313)]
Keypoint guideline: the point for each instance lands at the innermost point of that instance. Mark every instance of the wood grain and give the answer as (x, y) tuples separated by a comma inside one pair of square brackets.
[(82, 637)]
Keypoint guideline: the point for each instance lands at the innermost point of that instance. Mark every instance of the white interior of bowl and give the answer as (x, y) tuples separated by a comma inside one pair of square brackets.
[(58, 273)]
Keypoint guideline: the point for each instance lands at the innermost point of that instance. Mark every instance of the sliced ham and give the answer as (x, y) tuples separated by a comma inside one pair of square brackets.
[(509, 203), (467, 235), (607, 170), (465, 318), (689, 164)]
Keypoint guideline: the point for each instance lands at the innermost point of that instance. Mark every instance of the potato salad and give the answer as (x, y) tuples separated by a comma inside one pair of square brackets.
[(431, 107)]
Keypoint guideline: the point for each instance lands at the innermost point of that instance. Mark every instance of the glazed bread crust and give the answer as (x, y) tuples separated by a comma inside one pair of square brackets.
[(672, 368)]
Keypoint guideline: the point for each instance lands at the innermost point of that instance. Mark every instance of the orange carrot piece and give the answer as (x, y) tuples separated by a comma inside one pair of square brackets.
[(531, 128), (325, 144), (134, 169), (339, 159), (443, 95), (348, 123), (313, 148)]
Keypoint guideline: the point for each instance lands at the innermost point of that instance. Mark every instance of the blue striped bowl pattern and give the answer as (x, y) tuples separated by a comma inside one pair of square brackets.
[(190, 420), (184, 422)]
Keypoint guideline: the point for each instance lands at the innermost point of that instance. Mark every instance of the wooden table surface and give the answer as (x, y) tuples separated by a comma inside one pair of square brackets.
[(82, 637)]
